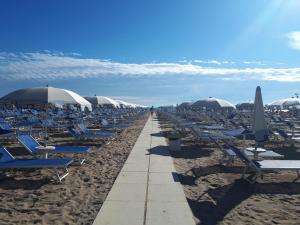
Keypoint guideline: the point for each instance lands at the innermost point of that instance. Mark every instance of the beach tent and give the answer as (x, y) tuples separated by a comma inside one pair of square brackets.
[(259, 126), (213, 103), (102, 102), (45, 95), (285, 103)]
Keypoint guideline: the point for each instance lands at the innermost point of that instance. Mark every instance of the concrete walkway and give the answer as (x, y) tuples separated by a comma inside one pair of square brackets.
[(147, 191)]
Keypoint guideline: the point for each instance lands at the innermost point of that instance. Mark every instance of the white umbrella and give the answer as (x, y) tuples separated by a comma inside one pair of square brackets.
[(285, 103), (259, 126), (103, 101), (124, 104), (213, 103), (46, 95)]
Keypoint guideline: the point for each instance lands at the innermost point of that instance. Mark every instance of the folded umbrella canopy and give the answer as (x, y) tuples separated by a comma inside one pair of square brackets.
[(45, 95), (259, 126)]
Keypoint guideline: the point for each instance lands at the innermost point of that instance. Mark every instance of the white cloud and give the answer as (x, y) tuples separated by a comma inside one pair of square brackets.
[(294, 39), (255, 63), (216, 62), (26, 66)]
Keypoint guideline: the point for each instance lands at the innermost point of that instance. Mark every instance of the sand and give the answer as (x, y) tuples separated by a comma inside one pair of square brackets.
[(35, 197), (218, 195)]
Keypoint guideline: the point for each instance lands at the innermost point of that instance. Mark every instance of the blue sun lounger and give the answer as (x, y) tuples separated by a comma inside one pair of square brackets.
[(7, 161), (89, 134), (32, 146)]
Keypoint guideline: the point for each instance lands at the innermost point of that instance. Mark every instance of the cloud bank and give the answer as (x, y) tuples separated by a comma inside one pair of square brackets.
[(48, 65)]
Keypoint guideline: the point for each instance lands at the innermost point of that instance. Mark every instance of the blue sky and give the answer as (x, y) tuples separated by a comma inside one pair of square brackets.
[(152, 52)]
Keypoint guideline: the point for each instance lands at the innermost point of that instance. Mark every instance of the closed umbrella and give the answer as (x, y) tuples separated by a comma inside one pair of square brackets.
[(259, 126)]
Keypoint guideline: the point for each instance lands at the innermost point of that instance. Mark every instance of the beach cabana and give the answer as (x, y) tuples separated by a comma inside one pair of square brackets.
[(41, 96), (285, 103), (213, 104), (102, 101)]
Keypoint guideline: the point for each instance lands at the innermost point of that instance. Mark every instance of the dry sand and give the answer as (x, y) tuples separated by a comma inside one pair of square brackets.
[(218, 195), (33, 197)]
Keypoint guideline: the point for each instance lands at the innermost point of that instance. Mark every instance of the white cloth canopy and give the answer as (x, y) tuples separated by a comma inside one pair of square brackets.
[(285, 103), (103, 101), (46, 95), (213, 103), (125, 104)]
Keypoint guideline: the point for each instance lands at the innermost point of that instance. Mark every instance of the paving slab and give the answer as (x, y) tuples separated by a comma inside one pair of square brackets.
[(127, 192), (169, 213), (132, 178), (120, 213)]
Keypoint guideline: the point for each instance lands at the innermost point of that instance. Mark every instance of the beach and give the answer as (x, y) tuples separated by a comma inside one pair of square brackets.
[(34, 197), (217, 194)]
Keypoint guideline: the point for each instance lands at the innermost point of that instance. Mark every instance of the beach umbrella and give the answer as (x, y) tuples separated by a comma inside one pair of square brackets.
[(213, 103), (285, 103), (124, 104), (245, 106), (44, 96), (185, 105), (259, 126), (103, 101)]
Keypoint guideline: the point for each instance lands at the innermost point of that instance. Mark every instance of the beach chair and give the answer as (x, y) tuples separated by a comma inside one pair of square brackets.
[(88, 135), (32, 146), (7, 161), (259, 167), (229, 155)]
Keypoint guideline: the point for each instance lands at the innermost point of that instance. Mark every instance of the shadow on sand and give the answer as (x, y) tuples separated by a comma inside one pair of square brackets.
[(229, 196), (192, 152), (10, 183)]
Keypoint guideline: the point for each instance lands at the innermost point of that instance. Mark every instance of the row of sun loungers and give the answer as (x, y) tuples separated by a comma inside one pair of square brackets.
[(60, 122)]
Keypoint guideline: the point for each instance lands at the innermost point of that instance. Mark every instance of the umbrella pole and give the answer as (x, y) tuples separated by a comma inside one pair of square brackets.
[(46, 126)]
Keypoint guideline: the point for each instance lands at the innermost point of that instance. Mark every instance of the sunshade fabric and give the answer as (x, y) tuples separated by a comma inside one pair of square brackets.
[(45, 95), (283, 103), (259, 126), (213, 103), (102, 101)]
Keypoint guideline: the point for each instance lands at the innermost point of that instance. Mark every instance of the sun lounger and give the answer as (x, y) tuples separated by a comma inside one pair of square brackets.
[(80, 134), (229, 155), (258, 167), (7, 161), (32, 146)]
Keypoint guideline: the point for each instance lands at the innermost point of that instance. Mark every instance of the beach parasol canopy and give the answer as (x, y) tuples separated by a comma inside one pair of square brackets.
[(285, 103), (245, 106), (185, 105), (124, 104), (213, 103), (259, 126), (45, 95), (103, 101)]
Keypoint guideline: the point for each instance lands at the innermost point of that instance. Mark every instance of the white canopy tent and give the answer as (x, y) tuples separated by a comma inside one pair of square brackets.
[(213, 103), (46, 95), (103, 101), (285, 103)]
